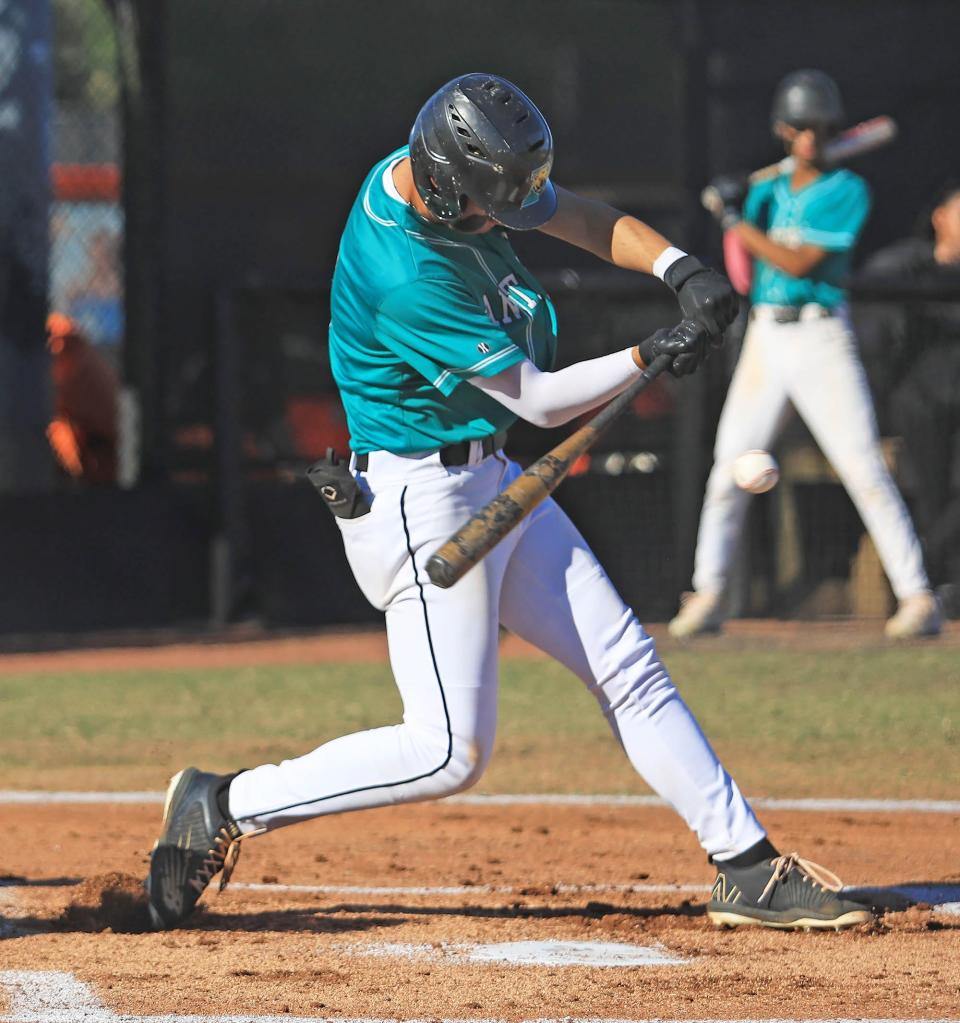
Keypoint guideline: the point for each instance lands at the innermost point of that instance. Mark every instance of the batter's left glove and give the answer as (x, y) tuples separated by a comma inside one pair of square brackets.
[(704, 295), (686, 342)]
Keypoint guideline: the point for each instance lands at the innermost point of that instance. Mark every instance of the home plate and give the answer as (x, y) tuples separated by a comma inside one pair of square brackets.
[(573, 953), (531, 953)]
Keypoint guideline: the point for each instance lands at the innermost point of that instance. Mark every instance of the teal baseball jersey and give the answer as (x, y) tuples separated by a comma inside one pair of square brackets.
[(416, 310), (829, 212)]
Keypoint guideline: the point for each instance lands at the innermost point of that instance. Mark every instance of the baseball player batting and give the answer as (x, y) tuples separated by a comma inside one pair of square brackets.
[(439, 339), (801, 227)]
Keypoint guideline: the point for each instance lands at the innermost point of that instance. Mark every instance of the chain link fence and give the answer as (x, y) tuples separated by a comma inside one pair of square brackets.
[(86, 217)]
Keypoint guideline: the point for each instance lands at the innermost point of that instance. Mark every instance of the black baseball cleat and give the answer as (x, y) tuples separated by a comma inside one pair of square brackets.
[(786, 892), (199, 839)]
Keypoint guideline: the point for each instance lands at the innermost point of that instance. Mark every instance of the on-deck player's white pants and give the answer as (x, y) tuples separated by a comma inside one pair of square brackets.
[(813, 364), (543, 583)]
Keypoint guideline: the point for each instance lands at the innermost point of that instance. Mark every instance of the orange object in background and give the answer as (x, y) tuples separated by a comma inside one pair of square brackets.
[(318, 423), (83, 432)]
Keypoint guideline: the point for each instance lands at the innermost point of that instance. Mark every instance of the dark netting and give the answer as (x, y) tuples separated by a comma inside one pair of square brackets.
[(86, 216), (204, 156), (86, 324)]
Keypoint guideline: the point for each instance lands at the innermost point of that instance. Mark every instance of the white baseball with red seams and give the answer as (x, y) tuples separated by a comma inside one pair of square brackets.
[(756, 471)]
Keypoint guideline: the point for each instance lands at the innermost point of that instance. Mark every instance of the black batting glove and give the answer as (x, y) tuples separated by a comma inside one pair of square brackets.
[(724, 196), (685, 343), (704, 295), (730, 188)]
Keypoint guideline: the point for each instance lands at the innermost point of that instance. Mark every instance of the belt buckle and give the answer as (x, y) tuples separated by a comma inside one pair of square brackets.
[(786, 314)]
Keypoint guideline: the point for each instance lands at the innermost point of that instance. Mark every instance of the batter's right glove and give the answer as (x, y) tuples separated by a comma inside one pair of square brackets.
[(686, 342), (704, 295)]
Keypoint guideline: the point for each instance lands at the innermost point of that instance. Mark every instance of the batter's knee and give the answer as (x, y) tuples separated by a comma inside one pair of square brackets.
[(632, 672), (468, 761), (461, 762)]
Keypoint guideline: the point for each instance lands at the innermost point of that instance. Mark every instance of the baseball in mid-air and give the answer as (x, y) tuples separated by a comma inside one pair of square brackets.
[(756, 471)]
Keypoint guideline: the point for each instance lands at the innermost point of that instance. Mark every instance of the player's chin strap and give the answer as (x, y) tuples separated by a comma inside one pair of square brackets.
[(782, 866)]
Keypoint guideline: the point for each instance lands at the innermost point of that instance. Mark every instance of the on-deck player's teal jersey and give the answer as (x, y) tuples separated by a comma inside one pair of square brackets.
[(829, 212), (416, 309)]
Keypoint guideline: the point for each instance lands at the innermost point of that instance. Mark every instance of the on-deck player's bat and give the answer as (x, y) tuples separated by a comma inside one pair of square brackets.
[(488, 526), (856, 141)]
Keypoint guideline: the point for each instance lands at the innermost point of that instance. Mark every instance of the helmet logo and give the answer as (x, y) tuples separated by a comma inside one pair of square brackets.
[(537, 184)]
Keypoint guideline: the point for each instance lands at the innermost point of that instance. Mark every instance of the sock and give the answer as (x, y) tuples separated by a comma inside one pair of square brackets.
[(757, 853)]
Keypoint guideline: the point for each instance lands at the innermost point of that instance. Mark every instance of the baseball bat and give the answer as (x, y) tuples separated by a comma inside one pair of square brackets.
[(488, 526), (856, 141)]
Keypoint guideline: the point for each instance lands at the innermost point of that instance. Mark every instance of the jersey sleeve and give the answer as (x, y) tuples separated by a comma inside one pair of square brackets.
[(440, 329), (834, 218), (755, 204)]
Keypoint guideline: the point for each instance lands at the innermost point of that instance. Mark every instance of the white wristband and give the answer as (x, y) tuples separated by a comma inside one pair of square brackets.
[(666, 259)]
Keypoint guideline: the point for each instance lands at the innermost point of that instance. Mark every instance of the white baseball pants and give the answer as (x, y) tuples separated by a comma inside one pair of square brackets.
[(813, 364), (543, 583)]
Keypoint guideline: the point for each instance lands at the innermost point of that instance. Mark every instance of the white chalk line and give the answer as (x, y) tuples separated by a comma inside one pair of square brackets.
[(58, 997), (938, 896), (949, 806), (469, 889)]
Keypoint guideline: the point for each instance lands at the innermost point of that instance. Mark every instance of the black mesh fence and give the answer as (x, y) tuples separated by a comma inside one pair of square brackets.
[(203, 156), (86, 266)]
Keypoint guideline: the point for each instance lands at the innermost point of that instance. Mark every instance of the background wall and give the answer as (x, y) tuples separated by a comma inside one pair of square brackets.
[(246, 127)]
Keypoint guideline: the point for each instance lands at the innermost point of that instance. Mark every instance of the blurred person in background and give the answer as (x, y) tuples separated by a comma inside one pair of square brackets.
[(915, 347), (800, 228), (83, 431), (95, 300)]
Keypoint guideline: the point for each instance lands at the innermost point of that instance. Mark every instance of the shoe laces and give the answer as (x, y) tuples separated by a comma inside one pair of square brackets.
[(222, 856), (819, 875)]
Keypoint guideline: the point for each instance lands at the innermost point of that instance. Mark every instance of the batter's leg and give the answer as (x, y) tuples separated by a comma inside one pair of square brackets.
[(753, 412), (834, 401), (557, 596), (443, 651)]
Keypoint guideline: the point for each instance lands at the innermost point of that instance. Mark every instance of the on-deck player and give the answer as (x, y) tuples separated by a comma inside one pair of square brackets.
[(440, 338), (799, 347)]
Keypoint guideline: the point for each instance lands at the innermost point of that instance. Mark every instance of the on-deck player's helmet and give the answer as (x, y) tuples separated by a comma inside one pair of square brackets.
[(479, 137), (808, 99)]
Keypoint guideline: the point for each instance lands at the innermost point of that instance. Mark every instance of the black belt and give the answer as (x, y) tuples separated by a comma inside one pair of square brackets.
[(454, 454), (793, 313)]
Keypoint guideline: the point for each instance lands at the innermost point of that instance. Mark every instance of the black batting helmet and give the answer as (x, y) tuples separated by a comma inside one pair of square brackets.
[(807, 99), (479, 137)]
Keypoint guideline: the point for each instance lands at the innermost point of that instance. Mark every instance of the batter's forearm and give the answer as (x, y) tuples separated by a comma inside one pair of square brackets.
[(551, 399), (608, 233), (635, 245)]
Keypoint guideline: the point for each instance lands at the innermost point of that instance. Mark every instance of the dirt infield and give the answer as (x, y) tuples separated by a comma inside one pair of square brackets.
[(445, 880), (393, 914)]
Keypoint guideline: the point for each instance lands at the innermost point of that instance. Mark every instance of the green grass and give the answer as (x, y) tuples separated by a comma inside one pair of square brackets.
[(876, 723)]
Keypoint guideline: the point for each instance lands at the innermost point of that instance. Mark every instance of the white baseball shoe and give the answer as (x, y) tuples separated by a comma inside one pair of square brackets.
[(699, 612), (917, 615)]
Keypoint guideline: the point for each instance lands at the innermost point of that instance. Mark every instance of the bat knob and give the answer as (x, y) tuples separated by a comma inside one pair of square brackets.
[(441, 572)]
